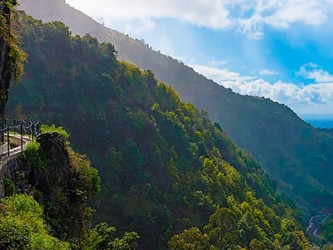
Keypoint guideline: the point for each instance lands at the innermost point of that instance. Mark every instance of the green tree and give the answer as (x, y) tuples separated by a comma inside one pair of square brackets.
[(22, 225), (103, 237), (189, 239)]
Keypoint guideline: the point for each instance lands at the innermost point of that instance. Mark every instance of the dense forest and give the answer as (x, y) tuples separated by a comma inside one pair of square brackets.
[(292, 152), (168, 172)]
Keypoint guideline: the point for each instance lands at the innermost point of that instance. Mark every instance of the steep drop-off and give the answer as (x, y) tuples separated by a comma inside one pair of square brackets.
[(166, 168), (290, 150), (11, 57), (59, 179)]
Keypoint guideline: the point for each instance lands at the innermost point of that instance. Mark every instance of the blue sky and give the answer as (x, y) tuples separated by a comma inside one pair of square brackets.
[(280, 49)]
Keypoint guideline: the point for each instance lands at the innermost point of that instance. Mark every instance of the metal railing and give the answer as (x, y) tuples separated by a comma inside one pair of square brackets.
[(19, 128)]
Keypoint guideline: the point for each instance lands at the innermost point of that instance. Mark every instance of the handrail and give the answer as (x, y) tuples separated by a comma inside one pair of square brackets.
[(18, 149), (28, 131)]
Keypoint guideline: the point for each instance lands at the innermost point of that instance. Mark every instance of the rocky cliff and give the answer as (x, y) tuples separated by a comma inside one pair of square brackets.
[(56, 177), (5, 74), (11, 56)]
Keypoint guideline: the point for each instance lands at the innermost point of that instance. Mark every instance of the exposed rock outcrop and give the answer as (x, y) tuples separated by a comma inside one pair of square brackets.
[(47, 172), (47, 176), (57, 169)]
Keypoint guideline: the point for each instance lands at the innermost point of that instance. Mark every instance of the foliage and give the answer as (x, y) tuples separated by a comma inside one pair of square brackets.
[(189, 239), (9, 187), (298, 156), (52, 128), (88, 178), (22, 225), (16, 56), (166, 168), (33, 156), (326, 229), (63, 182), (103, 237)]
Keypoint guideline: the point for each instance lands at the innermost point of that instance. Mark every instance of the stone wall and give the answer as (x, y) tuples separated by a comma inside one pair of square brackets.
[(8, 167)]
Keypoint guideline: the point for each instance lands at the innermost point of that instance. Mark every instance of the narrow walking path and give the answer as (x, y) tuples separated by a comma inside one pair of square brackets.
[(18, 133), (20, 145)]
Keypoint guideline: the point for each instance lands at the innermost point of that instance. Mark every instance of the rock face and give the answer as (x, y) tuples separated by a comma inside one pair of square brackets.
[(56, 172), (47, 173), (5, 74), (8, 169)]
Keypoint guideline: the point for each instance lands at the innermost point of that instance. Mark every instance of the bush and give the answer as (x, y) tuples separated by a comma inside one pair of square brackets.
[(33, 157), (22, 225), (52, 128), (9, 187)]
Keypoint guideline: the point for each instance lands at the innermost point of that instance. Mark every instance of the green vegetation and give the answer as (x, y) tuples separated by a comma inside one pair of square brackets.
[(33, 156), (50, 129), (11, 57), (22, 225), (326, 232), (15, 56), (9, 186), (103, 237), (189, 239), (298, 156), (51, 172), (168, 172), (62, 181), (327, 228)]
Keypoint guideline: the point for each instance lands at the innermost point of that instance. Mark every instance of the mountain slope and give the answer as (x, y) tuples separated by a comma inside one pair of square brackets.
[(165, 166), (290, 150)]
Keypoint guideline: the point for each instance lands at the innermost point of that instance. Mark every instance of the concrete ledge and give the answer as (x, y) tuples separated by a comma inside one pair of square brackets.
[(15, 139), (3, 148)]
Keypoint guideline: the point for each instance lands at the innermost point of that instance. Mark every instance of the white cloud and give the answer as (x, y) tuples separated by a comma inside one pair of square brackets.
[(310, 12), (267, 72), (306, 99), (248, 16), (282, 14), (313, 72), (203, 13), (313, 94), (219, 75)]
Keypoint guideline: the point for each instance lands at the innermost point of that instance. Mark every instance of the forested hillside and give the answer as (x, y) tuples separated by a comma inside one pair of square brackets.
[(166, 168), (298, 156)]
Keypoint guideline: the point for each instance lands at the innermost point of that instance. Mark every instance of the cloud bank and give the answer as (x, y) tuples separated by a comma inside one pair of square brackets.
[(313, 72), (316, 97), (248, 16)]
